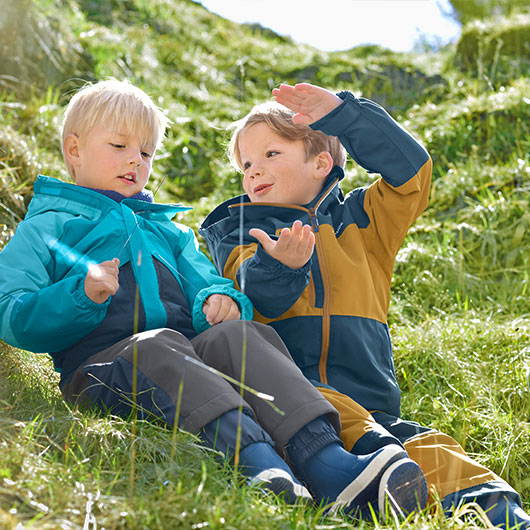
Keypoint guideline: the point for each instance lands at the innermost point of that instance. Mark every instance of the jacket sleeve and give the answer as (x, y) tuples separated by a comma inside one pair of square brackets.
[(38, 313), (199, 279), (271, 286), (379, 144)]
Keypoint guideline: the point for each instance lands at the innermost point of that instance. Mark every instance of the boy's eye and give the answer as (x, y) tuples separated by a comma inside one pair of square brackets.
[(145, 154), (117, 146), (246, 165), (271, 153)]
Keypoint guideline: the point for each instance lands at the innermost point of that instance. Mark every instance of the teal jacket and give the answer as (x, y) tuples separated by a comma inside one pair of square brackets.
[(43, 305), (332, 313)]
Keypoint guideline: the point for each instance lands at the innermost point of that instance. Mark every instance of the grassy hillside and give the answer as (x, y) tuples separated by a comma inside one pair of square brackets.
[(460, 315)]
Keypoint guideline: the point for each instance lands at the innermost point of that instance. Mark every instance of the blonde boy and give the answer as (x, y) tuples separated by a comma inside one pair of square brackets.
[(321, 271)]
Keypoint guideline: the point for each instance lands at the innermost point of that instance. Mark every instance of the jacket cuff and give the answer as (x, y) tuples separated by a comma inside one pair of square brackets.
[(199, 318), (277, 267), (83, 301), (340, 118)]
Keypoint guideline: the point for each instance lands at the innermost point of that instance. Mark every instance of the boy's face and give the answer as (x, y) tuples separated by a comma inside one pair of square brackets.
[(275, 169), (109, 160)]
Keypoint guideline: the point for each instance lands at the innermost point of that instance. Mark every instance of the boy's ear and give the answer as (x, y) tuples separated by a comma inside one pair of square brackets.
[(323, 164), (71, 149)]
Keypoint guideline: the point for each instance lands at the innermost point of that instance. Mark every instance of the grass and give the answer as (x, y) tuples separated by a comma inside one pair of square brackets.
[(460, 312), (60, 467)]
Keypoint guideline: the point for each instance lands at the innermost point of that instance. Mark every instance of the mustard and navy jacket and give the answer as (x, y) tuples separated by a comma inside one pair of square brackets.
[(332, 313)]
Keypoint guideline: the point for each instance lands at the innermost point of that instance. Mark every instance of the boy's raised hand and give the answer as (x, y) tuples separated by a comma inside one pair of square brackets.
[(219, 308), (101, 280), (293, 248), (310, 102)]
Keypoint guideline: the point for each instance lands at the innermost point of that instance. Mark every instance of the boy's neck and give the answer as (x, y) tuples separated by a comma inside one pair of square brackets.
[(144, 195)]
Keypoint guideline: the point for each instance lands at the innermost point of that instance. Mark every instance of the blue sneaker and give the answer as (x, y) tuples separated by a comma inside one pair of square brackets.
[(267, 470), (402, 490), (354, 483), (508, 514), (282, 484)]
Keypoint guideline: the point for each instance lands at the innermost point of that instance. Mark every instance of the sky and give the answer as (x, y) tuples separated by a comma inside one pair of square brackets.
[(332, 25)]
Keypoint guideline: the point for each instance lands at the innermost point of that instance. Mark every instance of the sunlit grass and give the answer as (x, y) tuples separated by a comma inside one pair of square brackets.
[(463, 375)]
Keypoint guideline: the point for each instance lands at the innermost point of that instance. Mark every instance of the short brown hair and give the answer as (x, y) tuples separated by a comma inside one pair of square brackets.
[(279, 119)]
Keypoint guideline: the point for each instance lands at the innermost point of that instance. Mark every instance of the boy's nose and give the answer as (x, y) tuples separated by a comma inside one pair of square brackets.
[(135, 158), (257, 171)]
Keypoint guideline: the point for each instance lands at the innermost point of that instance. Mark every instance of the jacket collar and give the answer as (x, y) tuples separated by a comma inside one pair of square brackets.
[(80, 197), (330, 192), (144, 195)]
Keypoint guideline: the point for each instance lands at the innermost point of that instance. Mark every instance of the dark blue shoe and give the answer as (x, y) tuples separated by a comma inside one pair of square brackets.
[(384, 479), (268, 471), (507, 514), (403, 489), (283, 485)]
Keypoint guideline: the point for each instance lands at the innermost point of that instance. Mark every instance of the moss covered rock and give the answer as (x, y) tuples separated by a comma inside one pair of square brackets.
[(498, 49)]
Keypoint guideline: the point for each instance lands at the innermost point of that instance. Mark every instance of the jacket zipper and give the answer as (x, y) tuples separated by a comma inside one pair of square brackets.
[(326, 316), (322, 365)]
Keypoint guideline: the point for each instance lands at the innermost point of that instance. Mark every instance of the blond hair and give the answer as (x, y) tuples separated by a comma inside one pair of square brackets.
[(279, 119), (114, 105)]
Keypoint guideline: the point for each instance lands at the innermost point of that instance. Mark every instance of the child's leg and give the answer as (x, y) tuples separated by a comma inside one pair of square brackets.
[(309, 424), (257, 459), (357, 483), (234, 346), (360, 433), (164, 360), (453, 475)]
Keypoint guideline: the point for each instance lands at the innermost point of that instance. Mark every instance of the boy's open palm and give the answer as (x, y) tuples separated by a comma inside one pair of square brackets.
[(101, 280), (293, 248), (219, 308), (310, 102)]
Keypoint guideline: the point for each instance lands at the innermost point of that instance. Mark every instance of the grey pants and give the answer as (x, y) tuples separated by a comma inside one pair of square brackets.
[(165, 359)]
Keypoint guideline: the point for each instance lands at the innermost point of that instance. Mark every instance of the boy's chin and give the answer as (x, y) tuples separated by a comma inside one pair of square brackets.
[(126, 191)]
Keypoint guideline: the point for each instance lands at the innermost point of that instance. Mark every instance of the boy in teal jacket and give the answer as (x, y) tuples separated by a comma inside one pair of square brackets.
[(124, 301), (321, 268)]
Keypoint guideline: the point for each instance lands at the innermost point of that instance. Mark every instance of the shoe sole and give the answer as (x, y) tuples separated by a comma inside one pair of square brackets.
[(371, 473), (282, 484), (403, 488)]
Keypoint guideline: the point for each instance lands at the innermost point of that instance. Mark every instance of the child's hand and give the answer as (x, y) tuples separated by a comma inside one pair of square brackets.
[(293, 248), (309, 102), (219, 308), (101, 280)]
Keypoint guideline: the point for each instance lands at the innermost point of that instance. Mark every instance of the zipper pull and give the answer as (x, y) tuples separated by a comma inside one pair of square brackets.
[(314, 220)]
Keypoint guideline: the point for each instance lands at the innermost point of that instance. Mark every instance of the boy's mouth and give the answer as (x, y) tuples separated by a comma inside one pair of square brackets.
[(131, 176), (262, 188)]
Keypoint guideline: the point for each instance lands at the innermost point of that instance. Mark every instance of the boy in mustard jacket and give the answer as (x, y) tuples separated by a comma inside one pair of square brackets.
[(320, 271)]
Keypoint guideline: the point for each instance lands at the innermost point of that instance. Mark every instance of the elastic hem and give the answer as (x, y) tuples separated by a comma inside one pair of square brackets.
[(84, 301), (297, 419), (307, 451), (199, 318), (278, 267)]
